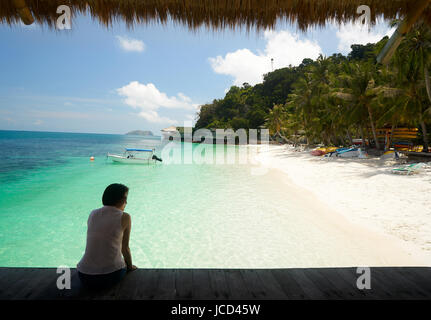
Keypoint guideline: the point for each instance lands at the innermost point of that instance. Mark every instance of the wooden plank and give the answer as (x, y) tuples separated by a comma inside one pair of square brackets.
[(219, 284), (201, 284), (403, 287), (8, 278), (378, 289), (37, 283), (77, 290), (16, 280), (129, 285), (320, 283), (184, 283), (289, 285), (13, 282), (420, 276), (166, 286), (349, 277), (421, 289), (237, 285), (323, 284), (5, 275), (347, 289), (148, 283), (253, 283), (270, 285), (308, 287), (392, 284)]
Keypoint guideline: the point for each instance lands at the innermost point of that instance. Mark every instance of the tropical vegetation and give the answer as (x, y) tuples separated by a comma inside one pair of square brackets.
[(336, 99)]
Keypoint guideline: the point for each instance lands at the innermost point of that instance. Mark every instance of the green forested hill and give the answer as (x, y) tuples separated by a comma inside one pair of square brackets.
[(335, 99)]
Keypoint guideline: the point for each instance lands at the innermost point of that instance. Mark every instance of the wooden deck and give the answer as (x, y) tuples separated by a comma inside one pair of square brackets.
[(249, 284)]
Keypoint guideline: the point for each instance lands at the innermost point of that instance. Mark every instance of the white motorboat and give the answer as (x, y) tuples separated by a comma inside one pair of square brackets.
[(135, 156), (348, 153)]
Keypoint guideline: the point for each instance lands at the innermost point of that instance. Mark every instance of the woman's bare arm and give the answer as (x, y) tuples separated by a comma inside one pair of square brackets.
[(126, 222)]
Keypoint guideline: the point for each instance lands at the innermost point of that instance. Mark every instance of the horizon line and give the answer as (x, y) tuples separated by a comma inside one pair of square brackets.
[(123, 134)]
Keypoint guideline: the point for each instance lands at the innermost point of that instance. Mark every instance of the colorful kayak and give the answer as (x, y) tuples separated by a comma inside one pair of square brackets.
[(322, 151), (318, 153)]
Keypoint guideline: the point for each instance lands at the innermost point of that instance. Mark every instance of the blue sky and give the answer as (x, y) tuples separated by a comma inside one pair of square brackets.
[(94, 79)]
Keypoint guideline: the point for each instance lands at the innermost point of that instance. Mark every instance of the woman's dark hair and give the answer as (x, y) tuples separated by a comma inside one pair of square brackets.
[(114, 194)]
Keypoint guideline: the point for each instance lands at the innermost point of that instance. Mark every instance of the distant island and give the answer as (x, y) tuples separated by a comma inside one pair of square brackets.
[(139, 133)]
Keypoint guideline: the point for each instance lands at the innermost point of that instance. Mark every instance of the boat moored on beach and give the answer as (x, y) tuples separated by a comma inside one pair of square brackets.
[(348, 153), (351, 152), (135, 156)]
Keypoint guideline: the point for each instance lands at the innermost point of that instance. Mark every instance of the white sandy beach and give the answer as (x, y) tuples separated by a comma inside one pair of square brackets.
[(395, 209)]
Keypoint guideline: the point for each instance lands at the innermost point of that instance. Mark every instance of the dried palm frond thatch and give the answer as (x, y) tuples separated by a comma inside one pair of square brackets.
[(214, 14)]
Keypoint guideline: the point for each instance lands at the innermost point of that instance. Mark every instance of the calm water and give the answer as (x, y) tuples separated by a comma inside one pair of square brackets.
[(183, 215)]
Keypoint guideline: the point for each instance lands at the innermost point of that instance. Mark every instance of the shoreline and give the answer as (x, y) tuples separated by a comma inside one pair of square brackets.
[(351, 203)]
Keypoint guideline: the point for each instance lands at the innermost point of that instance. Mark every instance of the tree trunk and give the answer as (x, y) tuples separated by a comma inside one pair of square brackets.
[(306, 130), (349, 137), (394, 125), (425, 134), (427, 83), (342, 140), (329, 139), (335, 140), (373, 128), (364, 145), (282, 137)]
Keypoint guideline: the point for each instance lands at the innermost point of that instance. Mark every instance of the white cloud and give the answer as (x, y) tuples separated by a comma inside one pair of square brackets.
[(129, 44), (148, 99), (356, 33), (154, 117), (285, 48)]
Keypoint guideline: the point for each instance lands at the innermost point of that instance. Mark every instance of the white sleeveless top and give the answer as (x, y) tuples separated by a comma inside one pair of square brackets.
[(104, 240)]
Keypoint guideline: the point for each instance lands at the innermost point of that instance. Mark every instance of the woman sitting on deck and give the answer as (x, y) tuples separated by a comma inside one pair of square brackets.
[(107, 255)]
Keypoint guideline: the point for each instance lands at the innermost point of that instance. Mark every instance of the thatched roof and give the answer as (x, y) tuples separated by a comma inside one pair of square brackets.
[(214, 14)]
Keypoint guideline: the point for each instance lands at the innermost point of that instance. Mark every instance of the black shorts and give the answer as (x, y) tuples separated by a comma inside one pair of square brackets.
[(97, 281)]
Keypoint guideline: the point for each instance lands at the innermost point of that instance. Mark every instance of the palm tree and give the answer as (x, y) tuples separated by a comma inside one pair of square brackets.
[(419, 43), (301, 100), (276, 120), (412, 61), (311, 101), (358, 88)]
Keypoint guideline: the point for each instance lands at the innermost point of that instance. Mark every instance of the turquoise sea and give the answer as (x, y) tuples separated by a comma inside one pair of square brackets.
[(183, 215)]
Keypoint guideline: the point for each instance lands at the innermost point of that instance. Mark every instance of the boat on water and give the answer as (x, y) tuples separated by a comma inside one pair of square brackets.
[(135, 156)]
